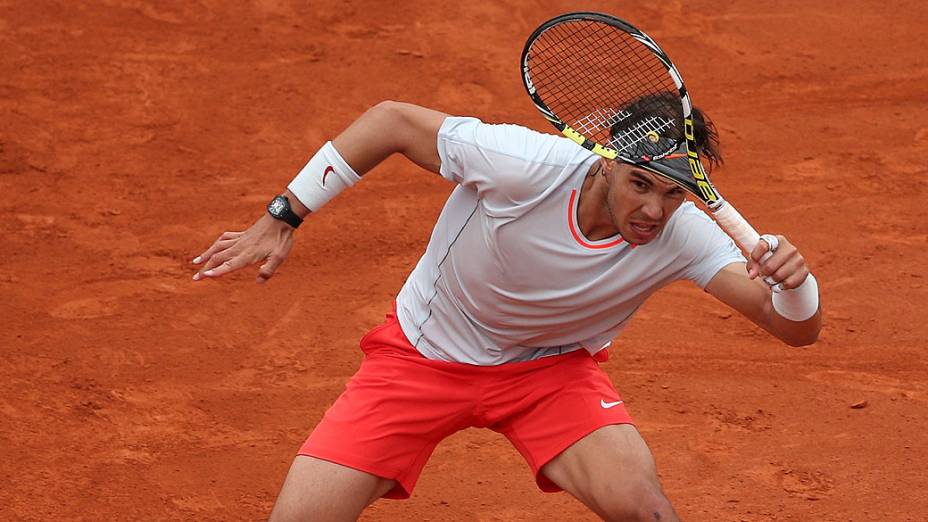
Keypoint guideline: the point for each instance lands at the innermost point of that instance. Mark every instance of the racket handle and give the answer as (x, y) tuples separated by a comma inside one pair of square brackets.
[(736, 226)]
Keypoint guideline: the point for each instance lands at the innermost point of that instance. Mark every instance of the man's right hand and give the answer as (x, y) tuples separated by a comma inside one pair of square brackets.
[(268, 240)]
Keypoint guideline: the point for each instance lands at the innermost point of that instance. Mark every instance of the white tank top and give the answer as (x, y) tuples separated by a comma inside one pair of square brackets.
[(508, 275)]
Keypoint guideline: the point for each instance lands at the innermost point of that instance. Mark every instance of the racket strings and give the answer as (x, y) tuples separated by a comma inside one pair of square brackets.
[(576, 56), (607, 86), (600, 119), (644, 138)]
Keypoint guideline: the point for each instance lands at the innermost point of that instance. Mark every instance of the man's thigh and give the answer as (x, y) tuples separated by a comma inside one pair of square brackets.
[(611, 470), (316, 489), (614, 450)]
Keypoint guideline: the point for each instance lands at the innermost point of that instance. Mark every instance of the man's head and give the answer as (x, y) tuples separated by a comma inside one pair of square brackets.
[(639, 200)]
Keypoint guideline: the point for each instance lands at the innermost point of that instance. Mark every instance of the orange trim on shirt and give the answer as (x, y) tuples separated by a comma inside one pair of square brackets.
[(576, 233)]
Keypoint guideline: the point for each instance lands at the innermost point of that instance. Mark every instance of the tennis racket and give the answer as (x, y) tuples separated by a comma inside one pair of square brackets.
[(611, 88)]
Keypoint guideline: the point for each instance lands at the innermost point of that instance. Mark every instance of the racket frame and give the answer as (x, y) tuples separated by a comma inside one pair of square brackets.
[(726, 215)]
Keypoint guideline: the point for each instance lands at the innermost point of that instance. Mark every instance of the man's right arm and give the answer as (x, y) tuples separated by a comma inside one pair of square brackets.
[(390, 127), (384, 129)]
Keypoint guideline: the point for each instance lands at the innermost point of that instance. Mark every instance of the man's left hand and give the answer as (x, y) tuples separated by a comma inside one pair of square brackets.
[(785, 267)]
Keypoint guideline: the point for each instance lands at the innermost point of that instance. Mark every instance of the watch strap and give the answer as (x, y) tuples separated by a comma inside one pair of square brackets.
[(291, 219)]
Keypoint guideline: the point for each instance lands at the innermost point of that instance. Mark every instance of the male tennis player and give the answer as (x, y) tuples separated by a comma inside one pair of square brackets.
[(541, 255)]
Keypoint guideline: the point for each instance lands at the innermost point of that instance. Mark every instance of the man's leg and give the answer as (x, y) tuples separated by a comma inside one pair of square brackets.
[(612, 472), (322, 491)]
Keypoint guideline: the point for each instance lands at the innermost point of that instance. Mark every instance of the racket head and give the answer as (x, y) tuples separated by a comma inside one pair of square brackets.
[(609, 87)]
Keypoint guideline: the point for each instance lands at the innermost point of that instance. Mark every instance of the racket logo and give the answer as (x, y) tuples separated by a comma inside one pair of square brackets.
[(705, 188), (695, 166), (528, 79), (326, 173)]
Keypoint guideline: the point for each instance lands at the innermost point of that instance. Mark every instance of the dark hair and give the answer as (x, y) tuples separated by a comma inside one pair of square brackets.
[(667, 105), (707, 138)]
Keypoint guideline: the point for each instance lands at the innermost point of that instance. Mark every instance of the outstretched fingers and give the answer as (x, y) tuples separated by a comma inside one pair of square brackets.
[(230, 265), (267, 240), (224, 241), (223, 262)]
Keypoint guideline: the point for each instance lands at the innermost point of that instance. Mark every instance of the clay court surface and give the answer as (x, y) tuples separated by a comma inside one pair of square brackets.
[(134, 132)]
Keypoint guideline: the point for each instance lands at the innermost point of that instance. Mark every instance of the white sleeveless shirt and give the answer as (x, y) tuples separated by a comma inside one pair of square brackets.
[(508, 275)]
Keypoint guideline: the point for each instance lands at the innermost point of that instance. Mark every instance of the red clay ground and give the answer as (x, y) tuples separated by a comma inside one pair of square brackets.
[(132, 135)]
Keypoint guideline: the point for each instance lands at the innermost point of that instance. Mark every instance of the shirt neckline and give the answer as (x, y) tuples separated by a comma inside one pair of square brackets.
[(573, 223)]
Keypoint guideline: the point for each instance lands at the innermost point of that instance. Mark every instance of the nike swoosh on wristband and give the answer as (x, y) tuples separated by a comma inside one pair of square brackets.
[(608, 405), (328, 169)]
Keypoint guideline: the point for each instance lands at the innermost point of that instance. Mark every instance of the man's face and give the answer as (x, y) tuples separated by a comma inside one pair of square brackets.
[(641, 202)]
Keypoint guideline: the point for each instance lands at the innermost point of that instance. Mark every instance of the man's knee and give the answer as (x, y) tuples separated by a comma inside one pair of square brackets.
[(630, 500)]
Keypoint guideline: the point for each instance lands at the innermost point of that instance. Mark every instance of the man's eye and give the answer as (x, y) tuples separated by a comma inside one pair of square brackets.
[(639, 185)]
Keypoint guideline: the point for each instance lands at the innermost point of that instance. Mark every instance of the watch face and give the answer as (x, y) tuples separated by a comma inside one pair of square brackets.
[(277, 206)]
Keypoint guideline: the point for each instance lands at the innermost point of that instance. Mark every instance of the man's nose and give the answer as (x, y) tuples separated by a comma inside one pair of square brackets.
[(652, 209)]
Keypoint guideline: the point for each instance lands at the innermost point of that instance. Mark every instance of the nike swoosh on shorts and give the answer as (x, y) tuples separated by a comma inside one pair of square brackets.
[(608, 405)]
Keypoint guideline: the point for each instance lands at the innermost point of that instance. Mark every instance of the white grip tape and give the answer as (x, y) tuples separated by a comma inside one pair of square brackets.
[(324, 176), (740, 230), (800, 303), (736, 226), (772, 242)]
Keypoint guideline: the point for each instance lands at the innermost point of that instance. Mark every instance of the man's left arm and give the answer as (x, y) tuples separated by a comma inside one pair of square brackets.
[(793, 314)]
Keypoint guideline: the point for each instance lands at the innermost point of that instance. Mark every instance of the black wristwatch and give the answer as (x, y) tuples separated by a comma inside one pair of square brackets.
[(279, 208)]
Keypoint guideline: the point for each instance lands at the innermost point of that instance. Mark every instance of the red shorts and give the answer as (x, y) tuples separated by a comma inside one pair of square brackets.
[(400, 405)]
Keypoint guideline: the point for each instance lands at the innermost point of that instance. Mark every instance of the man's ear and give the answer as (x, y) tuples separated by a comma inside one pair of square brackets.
[(607, 164)]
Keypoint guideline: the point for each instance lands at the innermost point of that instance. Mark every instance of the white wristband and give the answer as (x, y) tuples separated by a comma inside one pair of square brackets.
[(800, 303), (326, 174)]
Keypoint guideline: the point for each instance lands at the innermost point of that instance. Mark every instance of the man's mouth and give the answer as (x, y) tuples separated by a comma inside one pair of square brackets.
[(645, 230)]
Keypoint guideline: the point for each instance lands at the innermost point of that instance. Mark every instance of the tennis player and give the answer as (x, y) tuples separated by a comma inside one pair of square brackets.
[(541, 255)]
